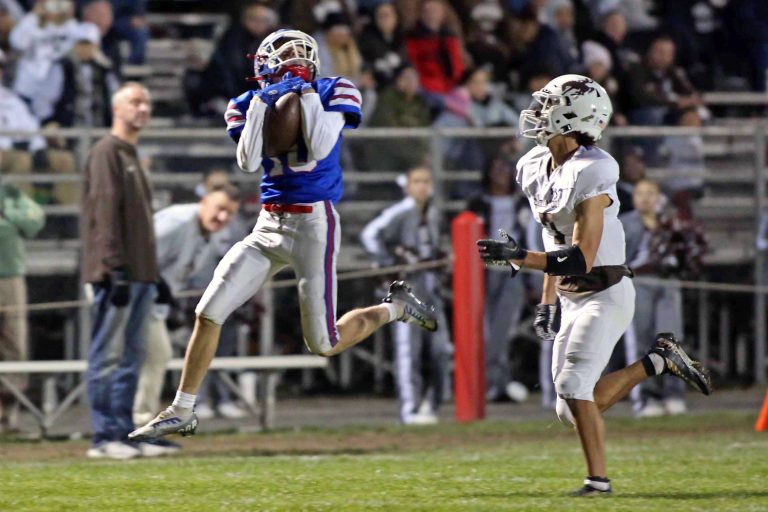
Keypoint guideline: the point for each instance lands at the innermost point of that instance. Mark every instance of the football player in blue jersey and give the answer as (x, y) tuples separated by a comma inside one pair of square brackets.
[(298, 225)]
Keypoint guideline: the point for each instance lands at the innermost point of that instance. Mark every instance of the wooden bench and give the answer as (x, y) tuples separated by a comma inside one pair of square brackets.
[(268, 366)]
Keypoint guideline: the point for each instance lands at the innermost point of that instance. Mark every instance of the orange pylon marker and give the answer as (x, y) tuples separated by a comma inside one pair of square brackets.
[(762, 420)]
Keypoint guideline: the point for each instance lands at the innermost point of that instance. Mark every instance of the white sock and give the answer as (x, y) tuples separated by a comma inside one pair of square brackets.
[(184, 400), (658, 362), (601, 484), (395, 311)]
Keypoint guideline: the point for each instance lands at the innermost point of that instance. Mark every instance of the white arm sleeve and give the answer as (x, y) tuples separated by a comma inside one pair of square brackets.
[(25, 32), (25, 121), (249, 147), (321, 128)]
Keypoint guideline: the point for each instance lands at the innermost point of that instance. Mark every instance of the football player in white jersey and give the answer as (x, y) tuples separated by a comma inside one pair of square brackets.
[(571, 187)]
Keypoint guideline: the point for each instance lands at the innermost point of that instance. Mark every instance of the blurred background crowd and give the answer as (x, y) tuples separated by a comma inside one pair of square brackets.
[(447, 64)]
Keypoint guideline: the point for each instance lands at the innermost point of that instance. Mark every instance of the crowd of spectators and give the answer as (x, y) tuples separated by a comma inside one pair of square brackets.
[(654, 58)]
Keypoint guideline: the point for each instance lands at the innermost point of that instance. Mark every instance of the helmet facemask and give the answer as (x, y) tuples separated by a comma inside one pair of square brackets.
[(536, 120), (291, 51)]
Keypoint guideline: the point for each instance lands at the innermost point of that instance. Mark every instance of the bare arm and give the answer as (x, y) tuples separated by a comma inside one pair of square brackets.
[(588, 230)]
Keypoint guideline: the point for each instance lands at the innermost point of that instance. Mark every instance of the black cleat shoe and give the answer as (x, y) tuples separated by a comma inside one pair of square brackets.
[(679, 364), (590, 492), (414, 310)]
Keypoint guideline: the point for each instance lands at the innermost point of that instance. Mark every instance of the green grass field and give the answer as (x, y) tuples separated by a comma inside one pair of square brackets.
[(700, 462)]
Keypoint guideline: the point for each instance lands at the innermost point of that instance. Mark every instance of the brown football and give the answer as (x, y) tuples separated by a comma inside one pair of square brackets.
[(282, 125)]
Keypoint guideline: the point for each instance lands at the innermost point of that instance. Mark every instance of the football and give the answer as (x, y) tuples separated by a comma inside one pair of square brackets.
[(282, 126)]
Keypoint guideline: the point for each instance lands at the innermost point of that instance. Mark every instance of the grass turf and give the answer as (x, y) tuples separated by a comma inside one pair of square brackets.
[(698, 462)]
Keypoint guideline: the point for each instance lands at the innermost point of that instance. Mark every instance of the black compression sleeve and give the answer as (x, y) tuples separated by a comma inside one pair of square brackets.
[(566, 262)]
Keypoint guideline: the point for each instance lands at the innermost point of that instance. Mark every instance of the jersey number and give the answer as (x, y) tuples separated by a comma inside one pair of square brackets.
[(548, 222)]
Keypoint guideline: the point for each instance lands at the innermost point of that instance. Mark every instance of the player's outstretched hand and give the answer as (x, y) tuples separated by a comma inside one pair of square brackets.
[(499, 252), (274, 92), (547, 321)]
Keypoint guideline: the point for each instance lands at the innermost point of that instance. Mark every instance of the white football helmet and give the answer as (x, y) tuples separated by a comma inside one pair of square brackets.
[(569, 103), (286, 50)]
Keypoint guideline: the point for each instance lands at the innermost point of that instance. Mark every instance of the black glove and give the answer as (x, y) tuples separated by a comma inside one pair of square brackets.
[(547, 321), (164, 294), (499, 252), (120, 289)]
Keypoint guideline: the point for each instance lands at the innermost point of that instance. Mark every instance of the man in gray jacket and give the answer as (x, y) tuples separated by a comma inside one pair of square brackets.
[(406, 233), (184, 249)]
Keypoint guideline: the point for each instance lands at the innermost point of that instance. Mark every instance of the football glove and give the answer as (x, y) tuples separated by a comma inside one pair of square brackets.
[(164, 294), (499, 252), (274, 92), (547, 321), (120, 289)]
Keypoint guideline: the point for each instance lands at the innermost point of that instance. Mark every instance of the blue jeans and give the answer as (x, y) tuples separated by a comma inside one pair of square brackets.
[(114, 360), (137, 39)]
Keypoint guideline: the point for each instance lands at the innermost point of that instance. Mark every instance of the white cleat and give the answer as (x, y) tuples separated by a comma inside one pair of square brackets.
[(113, 450), (170, 421)]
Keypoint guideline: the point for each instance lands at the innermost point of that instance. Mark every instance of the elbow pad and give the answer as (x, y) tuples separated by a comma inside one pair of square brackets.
[(566, 262)]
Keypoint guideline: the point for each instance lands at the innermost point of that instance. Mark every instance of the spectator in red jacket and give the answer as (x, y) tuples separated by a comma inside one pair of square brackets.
[(435, 50)]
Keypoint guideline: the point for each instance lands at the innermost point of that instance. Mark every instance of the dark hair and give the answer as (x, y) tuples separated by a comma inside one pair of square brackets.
[(232, 192), (582, 139), (468, 73)]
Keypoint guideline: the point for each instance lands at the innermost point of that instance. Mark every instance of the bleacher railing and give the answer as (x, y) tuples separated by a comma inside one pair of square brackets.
[(746, 140)]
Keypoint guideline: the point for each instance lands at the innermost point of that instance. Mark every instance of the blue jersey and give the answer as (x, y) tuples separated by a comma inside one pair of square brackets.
[(292, 178)]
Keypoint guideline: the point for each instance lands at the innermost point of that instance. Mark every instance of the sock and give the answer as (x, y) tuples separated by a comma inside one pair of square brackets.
[(597, 482), (653, 364), (184, 400), (395, 311)]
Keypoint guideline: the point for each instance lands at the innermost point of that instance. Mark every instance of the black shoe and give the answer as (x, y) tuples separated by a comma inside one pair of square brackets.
[(590, 492), (679, 364), (414, 310)]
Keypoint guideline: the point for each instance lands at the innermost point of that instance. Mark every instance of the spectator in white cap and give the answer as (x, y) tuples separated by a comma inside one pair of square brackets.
[(42, 38), (90, 81), (598, 66)]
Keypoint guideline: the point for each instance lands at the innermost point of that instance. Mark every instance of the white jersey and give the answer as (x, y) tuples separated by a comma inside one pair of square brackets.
[(553, 197)]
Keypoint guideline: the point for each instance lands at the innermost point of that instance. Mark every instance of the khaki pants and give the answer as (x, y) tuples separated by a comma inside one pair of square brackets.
[(13, 336), (156, 357)]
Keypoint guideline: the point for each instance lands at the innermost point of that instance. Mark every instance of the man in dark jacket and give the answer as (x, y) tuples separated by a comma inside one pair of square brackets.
[(381, 45), (120, 266), (225, 75), (658, 88)]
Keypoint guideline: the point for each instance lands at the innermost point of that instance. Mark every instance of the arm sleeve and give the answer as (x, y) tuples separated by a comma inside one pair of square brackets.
[(167, 238), (377, 236), (25, 32), (321, 128), (251, 143), (345, 98), (106, 194), (25, 215), (237, 108), (25, 121)]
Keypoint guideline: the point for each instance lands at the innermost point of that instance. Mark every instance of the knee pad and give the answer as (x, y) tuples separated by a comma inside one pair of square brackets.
[(571, 384), (564, 413)]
